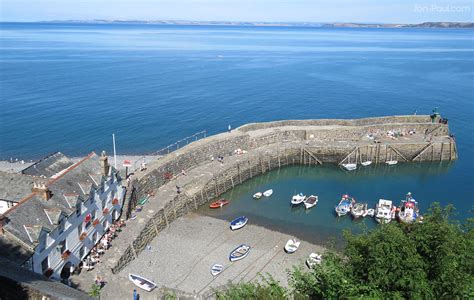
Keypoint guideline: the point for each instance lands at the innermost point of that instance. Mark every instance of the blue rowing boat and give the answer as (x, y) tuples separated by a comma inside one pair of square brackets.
[(239, 223), (239, 253)]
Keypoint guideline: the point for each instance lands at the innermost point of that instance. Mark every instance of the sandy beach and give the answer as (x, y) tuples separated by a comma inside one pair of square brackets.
[(180, 258)]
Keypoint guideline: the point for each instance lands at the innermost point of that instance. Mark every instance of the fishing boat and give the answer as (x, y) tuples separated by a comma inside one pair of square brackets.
[(219, 203), (313, 259), (298, 199), (238, 223), (310, 201), (408, 210), (292, 245), (257, 195), (239, 253), (344, 206), (349, 167), (359, 210), (216, 269), (391, 162), (268, 193), (383, 211), (142, 282), (366, 163)]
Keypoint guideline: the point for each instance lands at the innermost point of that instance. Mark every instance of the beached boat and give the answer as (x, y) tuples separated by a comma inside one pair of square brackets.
[(408, 210), (292, 245), (238, 223), (310, 201), (313, 260), (142, 282), (359, 210), (383, 211), (257, 195), (349, 167), (219, 203), (366, 163), (268, 193), (216, 269), (298, 199), (391, 162), (344, 206), (239, 253)]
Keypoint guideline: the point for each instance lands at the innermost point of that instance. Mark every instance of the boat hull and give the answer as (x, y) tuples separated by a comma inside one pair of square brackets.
[(238, 223), (239, 253), (142, 282)]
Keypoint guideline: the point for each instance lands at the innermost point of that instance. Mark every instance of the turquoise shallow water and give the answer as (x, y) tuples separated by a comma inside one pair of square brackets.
[(68, 87), (424, 180)]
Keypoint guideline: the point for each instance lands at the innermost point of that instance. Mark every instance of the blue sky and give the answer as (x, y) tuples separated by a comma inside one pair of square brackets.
[(401, 11)]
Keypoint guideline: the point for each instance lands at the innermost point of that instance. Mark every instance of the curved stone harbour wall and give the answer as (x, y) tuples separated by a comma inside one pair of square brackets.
[(270, 147)]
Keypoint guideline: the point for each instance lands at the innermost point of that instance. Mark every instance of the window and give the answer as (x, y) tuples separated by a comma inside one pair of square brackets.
[(62, 246), (82, 253), (88, 224), (44, 265), (61, 226), (78, 209), (41, 246), (105, 224), (79, 230), (96, 237)]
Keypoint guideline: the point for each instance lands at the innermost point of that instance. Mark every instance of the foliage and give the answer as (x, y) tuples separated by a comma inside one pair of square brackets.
[(429, 260), (95, 290), (268, 288)]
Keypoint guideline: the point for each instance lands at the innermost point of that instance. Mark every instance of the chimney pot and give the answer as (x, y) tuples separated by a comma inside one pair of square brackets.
[(41, 190)]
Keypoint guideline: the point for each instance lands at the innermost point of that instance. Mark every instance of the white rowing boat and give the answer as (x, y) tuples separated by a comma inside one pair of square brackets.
[(216, 269), (268, 193), (142, 282), (391, 162), (310, 201), (292, 245), (239, 223), (298, 199), (239, 253), (257, 195), (313, 259), (366, 163), (349, 167)]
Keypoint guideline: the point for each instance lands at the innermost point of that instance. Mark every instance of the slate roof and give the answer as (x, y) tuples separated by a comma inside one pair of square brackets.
[(32, 209), (14, 187), (49, 166)]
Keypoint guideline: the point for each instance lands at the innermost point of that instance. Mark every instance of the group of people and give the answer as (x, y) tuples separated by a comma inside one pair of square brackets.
[(104, 243)]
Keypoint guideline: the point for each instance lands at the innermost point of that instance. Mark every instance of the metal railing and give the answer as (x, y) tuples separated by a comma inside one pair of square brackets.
[(170, 148)]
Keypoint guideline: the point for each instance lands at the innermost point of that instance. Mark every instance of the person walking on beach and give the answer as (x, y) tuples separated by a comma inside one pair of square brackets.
[(135, 295)]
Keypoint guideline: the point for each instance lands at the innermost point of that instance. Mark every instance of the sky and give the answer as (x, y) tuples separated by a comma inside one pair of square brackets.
[(370, 11)]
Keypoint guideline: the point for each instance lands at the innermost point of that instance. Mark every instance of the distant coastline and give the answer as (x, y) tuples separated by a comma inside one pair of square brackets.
[(462, 25)]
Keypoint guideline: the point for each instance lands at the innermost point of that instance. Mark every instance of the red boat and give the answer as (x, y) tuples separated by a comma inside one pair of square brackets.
[(219, 203)]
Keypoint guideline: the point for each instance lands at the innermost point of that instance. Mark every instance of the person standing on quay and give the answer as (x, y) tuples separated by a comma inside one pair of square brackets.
[(135, 295), (229, 128)]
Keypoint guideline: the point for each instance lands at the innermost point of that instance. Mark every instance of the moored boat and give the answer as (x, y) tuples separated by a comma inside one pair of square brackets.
[(349, 167), (239, 223), (310, 201), (366, 163), (292, 245), (257, 195), (143, 283), (371, 212), (298, 199), (391, 162), (239, 253), (313, 259), (344, 206), (268, 193), (383, 211), (359, 210), (216, 269), (219, 203), (408, 210)]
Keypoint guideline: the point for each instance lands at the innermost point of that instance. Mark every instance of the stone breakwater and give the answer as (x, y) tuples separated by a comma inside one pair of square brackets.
[(268, 146)]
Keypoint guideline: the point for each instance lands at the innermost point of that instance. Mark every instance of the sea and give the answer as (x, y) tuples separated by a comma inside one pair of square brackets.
[(69, 87)]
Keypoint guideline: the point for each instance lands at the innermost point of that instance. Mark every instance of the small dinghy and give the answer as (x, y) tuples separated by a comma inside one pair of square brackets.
[(298, 199), (292, 245), (359, 210), (257, 195), (371, 212), (349, 167), (366, 163), (313, 259), (391, 162), (344, 206), (310, 201), (219, 203), (142, 282), (238, 223), (216, 269), (268, 193), (239, 253)]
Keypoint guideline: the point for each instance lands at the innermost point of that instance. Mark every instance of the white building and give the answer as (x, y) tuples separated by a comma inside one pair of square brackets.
[(63, 216)]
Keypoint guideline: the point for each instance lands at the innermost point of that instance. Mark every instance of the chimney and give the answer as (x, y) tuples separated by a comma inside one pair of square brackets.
[(104, 165), (41, 190)]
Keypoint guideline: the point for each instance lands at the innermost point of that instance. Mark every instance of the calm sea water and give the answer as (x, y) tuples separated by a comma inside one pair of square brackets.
[(69, 87)]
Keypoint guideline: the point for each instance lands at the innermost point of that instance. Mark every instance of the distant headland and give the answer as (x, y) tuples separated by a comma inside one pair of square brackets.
[(272, 24)]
